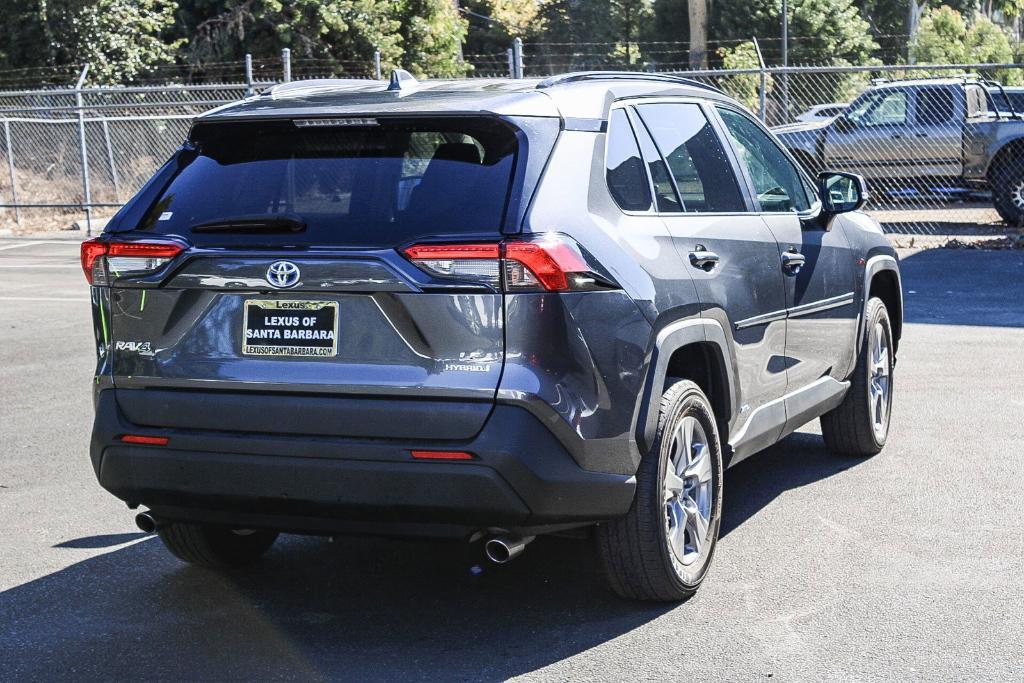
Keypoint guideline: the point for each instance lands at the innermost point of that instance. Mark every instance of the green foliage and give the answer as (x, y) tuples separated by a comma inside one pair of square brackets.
[(122, 39), (745, 88), (941, 38), (505, 20), (944, 37), (337, 33), (432, 32), (833, 31)]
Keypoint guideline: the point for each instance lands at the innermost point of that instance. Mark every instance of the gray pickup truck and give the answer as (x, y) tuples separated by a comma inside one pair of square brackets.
[(953, 132)]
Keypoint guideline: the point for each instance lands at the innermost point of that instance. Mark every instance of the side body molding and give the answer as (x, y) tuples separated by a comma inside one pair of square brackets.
[(673, 337)]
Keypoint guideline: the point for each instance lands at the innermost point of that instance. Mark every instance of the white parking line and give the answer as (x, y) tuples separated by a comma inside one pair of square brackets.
[(18, 246), (43, 298), (41, 265)]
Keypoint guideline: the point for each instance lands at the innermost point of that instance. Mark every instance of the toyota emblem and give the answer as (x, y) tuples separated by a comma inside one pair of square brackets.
[(283, 274)]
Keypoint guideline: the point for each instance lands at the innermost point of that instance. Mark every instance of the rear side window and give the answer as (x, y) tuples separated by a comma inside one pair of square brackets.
[(696, 159), (624, 168), (934, 106), (368, 185)]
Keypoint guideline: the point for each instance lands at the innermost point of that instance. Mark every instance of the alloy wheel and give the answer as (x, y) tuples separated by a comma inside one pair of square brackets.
[(688, 492)]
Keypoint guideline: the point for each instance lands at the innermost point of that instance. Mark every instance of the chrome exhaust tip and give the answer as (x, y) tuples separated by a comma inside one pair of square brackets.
[(504, 549), (146, 522)]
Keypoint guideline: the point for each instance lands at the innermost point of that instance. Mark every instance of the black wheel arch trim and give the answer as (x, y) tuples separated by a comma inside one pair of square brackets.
[(670, 339)]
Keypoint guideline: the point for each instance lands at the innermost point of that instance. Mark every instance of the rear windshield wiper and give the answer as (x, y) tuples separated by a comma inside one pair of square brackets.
[(258, 223)]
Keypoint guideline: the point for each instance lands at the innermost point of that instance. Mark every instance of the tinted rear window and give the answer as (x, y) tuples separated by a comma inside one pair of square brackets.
[(368, 185)]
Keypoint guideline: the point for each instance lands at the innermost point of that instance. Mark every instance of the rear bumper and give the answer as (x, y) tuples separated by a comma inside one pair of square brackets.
[(521, 478)]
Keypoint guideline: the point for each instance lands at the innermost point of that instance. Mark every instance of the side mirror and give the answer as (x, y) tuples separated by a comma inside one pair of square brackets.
[(842, 192)]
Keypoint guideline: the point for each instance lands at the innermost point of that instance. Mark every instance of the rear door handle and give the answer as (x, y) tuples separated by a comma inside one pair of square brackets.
[(701, 258), (792, 261)]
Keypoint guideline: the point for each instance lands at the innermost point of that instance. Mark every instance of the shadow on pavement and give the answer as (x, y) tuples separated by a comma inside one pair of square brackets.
[(357, 608), (101, 541), (798, 460), (964, 287)]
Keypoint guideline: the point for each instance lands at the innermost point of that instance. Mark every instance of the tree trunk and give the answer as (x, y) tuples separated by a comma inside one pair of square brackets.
[(699, 11)]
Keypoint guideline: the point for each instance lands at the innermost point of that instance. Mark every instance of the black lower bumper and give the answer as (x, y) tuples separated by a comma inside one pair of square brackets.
[(521, 478)]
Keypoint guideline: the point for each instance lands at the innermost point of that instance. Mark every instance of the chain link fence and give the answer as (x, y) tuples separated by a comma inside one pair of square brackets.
[(71, 156)]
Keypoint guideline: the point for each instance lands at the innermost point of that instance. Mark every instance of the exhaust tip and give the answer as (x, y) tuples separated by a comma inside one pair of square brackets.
[(497, 551), (503, 549), (145, 522)]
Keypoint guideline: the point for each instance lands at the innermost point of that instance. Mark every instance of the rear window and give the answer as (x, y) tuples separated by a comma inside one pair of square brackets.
[(379, 184)]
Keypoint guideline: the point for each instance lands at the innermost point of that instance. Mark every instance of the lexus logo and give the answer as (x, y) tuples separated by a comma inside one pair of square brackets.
[(283, 274)]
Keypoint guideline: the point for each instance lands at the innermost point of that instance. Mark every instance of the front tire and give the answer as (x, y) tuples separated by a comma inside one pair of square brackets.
[(662, 549), (859, 426), (215, 547)]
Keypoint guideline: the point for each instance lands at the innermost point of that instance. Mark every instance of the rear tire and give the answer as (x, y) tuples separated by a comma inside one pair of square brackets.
[(1008, 194), (662, 548), (215, 547), (860, 424)]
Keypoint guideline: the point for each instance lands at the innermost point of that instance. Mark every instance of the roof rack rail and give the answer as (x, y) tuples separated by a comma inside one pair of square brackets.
[(623, 75)]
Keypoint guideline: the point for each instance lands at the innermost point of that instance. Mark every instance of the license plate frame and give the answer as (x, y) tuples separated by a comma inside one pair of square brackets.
[(290, 328)]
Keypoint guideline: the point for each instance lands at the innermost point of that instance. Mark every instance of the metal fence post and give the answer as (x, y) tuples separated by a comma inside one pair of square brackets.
[(762, 96), (248, 75), (511, 63), (376, 64), (517, 47), (84, 152), (10, 169), (286, 61), (110, 161)]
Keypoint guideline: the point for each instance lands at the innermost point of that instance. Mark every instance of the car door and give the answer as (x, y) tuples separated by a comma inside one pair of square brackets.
[(870, 137), (730, 254), (817, 264), (937, 139)]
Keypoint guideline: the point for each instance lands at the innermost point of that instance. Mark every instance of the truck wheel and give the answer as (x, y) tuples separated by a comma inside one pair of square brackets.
[(860, 424), (1008, 194), (215, 547), (662, 548)]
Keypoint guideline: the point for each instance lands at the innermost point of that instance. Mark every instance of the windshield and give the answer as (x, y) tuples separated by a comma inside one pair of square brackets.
[(376, 184)]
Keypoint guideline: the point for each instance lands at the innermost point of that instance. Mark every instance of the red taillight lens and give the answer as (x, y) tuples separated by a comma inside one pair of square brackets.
[(89, 252), (124, 258), (145, 440), (550, 262), (441, 455)]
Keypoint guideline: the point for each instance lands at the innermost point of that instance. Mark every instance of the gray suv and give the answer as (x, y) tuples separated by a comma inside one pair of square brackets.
[(483, 310)]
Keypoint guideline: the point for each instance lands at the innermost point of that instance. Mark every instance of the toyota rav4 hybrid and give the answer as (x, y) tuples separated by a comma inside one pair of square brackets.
[(484, 310)]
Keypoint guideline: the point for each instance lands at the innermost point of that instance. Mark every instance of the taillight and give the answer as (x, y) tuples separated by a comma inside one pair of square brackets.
[(101, 259), (550, 262)]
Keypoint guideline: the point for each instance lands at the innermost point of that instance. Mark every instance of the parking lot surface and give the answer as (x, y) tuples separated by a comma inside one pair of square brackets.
[(907, 565)]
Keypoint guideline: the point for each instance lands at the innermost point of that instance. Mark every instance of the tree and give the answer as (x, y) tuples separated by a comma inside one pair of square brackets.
[(432, 32), (493, 24), (670, 30), (743, 87), (833, 31), (340, 34), (73, 32)]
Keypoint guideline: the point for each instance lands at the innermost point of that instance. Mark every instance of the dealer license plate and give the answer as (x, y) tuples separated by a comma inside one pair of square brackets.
[(290, 328)]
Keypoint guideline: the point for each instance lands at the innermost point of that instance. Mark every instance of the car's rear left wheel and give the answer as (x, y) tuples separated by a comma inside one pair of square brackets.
[(662, 548), (215, 547)]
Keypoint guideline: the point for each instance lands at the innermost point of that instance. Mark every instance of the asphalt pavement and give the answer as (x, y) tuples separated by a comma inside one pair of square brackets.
[(909, 565)]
